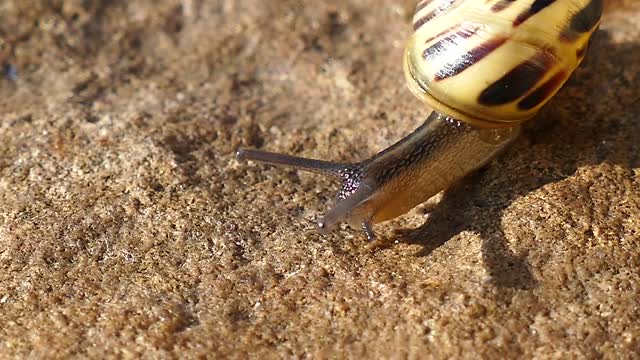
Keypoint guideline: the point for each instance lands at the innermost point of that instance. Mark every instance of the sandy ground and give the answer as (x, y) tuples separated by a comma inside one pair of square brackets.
[(128, 229)]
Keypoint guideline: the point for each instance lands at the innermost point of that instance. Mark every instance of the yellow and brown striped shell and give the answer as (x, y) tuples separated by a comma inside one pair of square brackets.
[(496, 62)]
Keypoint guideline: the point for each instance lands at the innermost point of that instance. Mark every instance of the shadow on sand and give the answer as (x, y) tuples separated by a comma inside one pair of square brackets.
[(593, 120)]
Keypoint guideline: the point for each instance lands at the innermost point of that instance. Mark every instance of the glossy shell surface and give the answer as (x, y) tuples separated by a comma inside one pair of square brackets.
[(493, 63)]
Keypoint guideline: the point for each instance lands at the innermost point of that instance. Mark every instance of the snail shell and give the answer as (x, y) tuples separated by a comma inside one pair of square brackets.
[(485, 67), (495, 63)]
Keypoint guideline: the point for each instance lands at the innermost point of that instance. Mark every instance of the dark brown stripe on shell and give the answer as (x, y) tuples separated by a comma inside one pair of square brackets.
[(535, 8), (442, 33), (518, 81), (442, 45), (467, 60), (583, 21), (501, 5), (542, 93), (422, 4), (438, 48), (423, 20)]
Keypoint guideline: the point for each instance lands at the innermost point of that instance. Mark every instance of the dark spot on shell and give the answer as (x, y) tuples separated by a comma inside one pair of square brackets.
[(584, 20), (501, 5), (535, 8), (543, 93), (518, 81)]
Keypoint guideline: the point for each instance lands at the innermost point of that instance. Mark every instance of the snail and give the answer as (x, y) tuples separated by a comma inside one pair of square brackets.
[(484, 67)]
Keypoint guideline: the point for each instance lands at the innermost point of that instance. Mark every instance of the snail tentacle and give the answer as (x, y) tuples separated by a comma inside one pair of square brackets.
[(312, 165)]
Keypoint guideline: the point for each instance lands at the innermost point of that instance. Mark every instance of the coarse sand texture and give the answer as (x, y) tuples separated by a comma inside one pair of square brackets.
[(129, 230)]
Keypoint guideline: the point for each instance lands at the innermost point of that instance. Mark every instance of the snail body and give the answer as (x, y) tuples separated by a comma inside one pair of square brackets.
[(485, 67)]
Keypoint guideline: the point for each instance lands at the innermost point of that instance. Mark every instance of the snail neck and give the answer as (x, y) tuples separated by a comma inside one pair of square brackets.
[(437, 134), (406, 150), (430, 159)]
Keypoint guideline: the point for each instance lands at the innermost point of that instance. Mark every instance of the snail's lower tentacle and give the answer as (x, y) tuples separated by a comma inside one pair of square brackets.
[(344, 208), (368, 230)]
